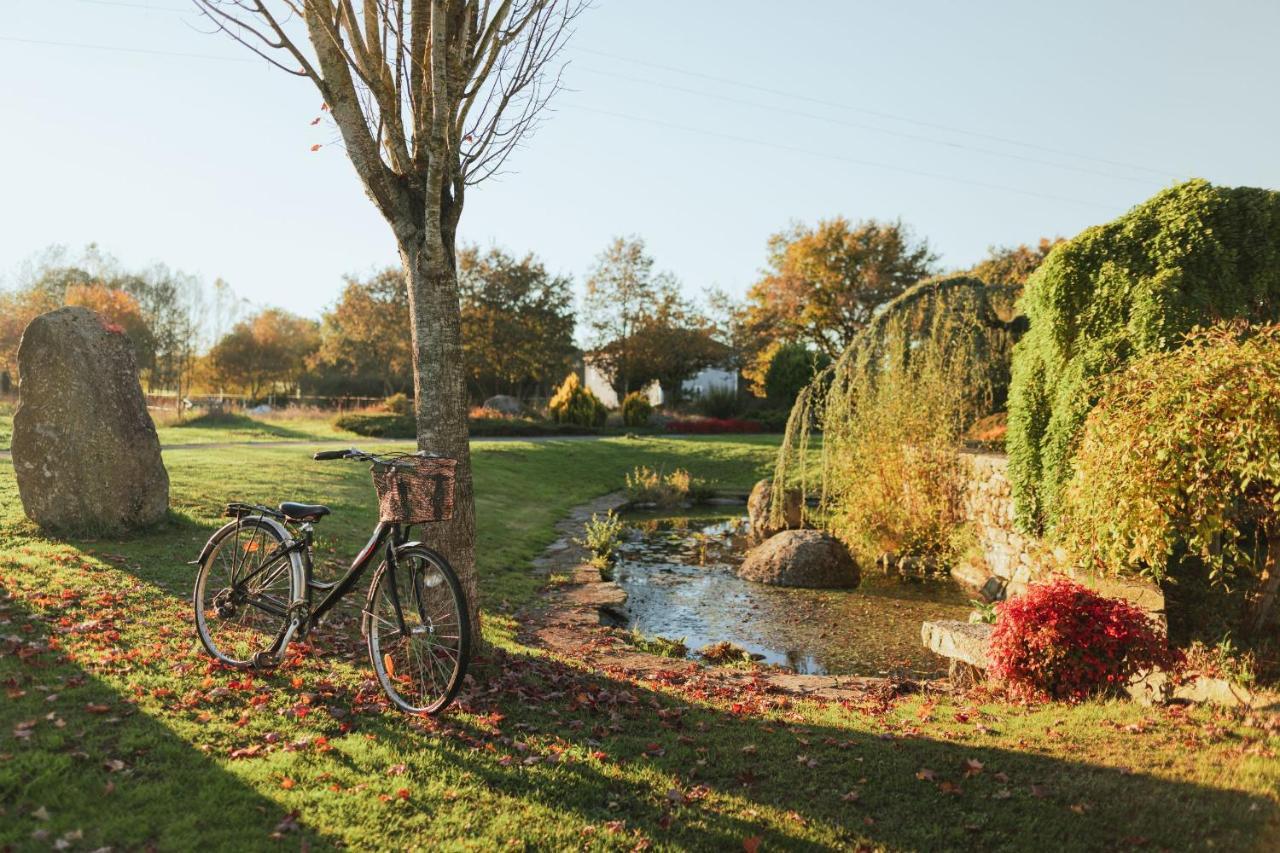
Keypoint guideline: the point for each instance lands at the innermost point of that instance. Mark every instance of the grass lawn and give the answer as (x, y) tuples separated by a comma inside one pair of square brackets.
[(117, 731)]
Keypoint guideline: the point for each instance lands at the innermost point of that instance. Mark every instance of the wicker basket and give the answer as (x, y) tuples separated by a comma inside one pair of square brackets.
[(415, 490)]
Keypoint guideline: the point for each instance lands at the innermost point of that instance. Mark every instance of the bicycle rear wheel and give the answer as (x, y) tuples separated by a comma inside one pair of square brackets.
[(419, 655), (243, 590)]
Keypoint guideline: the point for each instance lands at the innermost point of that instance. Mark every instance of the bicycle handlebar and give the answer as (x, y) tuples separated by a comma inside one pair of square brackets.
[(353, 453)]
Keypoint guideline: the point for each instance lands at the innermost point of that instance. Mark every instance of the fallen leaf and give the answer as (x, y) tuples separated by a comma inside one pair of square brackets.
[(924, 774), (287, 783), (751, 844)]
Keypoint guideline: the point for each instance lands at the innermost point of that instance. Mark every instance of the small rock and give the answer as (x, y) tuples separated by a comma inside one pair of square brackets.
[(760, 509)]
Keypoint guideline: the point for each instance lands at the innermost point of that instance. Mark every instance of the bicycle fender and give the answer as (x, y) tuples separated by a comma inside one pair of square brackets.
[(295, 557)]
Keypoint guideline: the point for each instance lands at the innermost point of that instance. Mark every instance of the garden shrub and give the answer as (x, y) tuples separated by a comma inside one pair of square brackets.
[(636, 409), (720, 403), (791, 368), (713, 426), (574, 404), (1178, 466), (1191, 255), (1061, 640), (892, 411), (648, 485), (398, 404)]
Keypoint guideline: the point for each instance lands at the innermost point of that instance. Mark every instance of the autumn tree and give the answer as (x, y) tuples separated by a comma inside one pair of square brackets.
[(823, 284), (517, 322), (1013, 264), (670, 342), (429, 97), (364, 336), (628, 307), (119, 308), (265, 353)]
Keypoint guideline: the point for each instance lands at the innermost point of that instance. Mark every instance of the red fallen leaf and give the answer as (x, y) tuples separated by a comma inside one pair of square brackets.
[(951, 788), (599, 756), (655, 750), (924, 774), (316, 147), (287, 783), (751, 844), (94, 708), (403, 793)]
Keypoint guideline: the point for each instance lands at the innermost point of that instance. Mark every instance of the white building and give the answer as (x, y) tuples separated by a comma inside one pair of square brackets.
[(704, 382)]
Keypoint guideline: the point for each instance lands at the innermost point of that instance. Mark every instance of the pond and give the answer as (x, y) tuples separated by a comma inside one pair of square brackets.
[(680, 580)]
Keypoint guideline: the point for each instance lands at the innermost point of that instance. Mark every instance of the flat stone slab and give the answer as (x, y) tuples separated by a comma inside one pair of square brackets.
[(963, 641)]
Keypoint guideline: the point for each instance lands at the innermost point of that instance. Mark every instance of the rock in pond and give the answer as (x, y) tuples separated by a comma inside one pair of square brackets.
[(803, 558), (760, 507), (85, 450)]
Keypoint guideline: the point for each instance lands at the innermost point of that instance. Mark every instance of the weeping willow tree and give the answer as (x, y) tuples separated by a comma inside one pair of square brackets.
[(892, 411)]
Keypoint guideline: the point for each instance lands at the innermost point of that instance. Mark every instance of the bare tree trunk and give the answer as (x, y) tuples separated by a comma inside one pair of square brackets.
[(439, 385), (1268, 586)]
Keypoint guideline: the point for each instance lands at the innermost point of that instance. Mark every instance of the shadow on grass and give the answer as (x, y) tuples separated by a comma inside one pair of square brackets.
[(227, 421), (79, 762), (670, 768)]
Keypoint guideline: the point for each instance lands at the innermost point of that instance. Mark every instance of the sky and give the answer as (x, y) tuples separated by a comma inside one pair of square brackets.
[(701, 126)]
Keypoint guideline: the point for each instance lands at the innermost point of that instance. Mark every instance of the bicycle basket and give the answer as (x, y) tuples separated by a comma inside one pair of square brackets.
[(416, 489)]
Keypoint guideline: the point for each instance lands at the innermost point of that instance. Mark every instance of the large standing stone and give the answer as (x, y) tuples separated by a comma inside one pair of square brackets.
[(504, 404), (806, 558), (760, 508), (85, 450)]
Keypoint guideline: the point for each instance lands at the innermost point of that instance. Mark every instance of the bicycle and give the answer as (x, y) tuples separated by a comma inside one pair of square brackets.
[(254, 584)]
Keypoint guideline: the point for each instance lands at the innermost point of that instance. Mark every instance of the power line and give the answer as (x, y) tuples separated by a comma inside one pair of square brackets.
[(117, 49), (871, 128), (838, 157), (144, 6), (1164, 173)]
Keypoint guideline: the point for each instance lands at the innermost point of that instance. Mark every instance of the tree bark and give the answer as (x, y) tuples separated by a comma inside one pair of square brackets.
[(439, 385), (1268, 586)]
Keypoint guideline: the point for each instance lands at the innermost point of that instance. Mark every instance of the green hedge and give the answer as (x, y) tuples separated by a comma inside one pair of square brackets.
[(1190, 255), (402, 426)]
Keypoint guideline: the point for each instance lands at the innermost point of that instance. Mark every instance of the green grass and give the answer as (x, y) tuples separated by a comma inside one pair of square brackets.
[(116, 727)]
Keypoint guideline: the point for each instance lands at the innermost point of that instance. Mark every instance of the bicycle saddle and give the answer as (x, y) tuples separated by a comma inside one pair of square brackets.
[(303, 512)]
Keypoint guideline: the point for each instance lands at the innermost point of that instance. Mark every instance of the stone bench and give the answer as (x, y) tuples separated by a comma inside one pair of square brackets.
[(963, 644)]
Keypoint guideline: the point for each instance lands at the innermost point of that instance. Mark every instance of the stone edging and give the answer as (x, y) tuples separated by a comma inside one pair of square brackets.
[(569, 623)]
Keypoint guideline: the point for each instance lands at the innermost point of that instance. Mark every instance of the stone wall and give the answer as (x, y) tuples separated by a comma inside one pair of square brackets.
[(1001, 550)]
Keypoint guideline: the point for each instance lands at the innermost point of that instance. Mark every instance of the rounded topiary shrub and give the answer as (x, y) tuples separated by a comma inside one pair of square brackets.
[(1191, 255), (574, 404), (636, 409), (1061, 640), (1179, 466)]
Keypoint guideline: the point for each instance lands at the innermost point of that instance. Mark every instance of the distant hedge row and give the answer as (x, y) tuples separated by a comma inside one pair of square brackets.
[(402, 426)]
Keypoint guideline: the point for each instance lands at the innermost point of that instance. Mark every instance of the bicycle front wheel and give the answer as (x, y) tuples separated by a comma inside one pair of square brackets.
[(418, 631)]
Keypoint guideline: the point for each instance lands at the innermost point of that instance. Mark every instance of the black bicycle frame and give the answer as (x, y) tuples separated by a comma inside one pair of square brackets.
[(390, 535)]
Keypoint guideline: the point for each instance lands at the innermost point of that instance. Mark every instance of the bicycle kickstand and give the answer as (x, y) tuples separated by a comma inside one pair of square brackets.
[(274, 656)]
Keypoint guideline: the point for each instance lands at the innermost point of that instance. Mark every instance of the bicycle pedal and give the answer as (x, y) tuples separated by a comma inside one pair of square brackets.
[(264, 660)]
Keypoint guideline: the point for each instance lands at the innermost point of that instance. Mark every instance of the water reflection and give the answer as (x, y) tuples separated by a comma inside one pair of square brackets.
[(680, 583)]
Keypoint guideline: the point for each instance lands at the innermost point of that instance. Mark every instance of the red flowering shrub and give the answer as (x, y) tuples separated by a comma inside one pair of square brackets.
[(711, 426), (1060, 640)]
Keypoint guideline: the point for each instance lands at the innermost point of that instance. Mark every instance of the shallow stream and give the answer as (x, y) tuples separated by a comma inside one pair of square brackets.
[(679, 575)]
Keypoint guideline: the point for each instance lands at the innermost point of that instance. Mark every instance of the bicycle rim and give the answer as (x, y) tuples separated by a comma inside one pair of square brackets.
[(422, 666)]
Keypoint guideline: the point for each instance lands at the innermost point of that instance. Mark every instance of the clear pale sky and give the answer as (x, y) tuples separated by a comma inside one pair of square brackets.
[(701, 126)]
